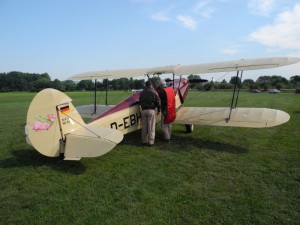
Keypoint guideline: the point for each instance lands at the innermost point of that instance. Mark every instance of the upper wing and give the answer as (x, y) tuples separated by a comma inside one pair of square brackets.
[(237, 65), (240, 117), (108, 74)]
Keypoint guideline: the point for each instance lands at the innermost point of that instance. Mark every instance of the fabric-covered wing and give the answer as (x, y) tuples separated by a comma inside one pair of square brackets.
[(126, 73), (109, 74), (237, 65), (240, 117)]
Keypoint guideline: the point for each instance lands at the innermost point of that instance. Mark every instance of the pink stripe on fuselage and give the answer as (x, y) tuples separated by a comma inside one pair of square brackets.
[(133, 100), (127, 103)]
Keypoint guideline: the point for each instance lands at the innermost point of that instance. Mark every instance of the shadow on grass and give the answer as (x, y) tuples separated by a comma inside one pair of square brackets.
[(182, 142), (32, 158)]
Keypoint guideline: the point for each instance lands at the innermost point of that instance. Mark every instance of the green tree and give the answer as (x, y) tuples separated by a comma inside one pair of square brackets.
[(249, 83), (46, 76), (278, 82), (195, 85), (236, 80), (208, 86), (41, 84), (69, 85), (56, 84), (138, 84), (264, 82), (224, 85), (274, 81), (85, 85), (131, 83), (295, 81), (123, 84)]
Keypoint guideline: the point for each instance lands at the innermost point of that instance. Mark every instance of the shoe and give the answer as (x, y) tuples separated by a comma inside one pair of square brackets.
[(150, 145)]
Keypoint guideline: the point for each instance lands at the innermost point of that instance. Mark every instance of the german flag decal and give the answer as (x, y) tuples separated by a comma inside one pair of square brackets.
[(65, 109)]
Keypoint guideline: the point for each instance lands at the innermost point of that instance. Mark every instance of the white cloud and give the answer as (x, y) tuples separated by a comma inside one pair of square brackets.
[(163, 15), (187, 22), (261, 7), (204, 9), (160, 16), (284, 33)]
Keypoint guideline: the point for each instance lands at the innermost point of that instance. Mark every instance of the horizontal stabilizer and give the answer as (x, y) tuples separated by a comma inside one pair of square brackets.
[(91, 142), (239, 117)]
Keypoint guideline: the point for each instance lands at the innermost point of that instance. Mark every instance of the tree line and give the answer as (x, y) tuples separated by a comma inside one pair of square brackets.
[(263, 83), (33, 82)]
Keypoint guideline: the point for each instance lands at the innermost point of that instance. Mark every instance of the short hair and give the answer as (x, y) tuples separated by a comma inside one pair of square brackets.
[(148, 83), (162, 83)]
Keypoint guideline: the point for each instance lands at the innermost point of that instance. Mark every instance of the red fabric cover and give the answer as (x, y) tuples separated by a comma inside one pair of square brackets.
[(171, 110)]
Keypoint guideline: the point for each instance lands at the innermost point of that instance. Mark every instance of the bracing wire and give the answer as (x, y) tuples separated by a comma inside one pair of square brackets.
[(84, 126)]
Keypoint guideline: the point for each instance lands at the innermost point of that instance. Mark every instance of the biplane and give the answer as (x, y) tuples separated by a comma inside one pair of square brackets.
[(56, 128)]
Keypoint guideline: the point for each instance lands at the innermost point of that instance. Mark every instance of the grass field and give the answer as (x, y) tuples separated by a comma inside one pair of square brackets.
[(215, 175)]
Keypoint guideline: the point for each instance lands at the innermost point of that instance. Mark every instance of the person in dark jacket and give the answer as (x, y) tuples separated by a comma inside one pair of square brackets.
[(149, 101)]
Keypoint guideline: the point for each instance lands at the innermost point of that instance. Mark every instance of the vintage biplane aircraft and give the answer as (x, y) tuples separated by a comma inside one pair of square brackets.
[(56, 128)]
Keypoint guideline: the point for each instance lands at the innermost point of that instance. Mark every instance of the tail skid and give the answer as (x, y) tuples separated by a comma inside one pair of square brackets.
[(54, 128)]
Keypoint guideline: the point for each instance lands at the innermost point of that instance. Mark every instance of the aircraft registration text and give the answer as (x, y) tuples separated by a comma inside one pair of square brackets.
[(127, 121)]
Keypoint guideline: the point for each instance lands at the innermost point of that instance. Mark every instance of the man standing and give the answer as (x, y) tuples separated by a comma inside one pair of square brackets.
[(168, 111), (149, 101)]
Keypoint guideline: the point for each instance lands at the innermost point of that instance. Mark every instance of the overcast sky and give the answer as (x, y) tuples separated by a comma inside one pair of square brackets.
[(66, 37)]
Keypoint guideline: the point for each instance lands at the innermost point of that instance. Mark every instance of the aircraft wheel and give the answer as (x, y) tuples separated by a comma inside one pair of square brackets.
[(189, 128)]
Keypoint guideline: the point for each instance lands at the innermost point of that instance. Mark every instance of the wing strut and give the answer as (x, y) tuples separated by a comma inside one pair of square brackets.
[(106, 93), (95, 98), (239, 87), (173, 80), (235, 94), (95, 95)]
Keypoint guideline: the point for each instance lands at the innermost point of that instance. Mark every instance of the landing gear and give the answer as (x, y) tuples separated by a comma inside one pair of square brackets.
[(189, 128)]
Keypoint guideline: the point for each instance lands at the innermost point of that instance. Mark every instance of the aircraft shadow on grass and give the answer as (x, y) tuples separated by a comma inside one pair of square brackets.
[(182, 143), (30, 158)]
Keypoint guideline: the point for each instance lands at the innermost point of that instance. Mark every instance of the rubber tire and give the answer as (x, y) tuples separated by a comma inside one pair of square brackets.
[(189, 128)]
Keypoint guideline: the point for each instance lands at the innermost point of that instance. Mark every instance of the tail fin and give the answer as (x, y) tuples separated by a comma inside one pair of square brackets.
[(43, 125), (54, 127)]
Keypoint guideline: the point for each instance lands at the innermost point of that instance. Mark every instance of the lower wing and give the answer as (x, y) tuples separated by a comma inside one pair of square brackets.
[(238, 117)]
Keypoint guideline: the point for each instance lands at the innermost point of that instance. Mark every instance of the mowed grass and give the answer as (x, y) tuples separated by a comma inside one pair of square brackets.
[(215, 175)]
